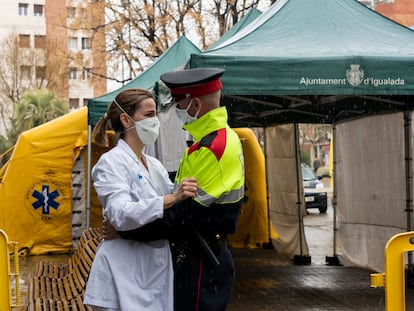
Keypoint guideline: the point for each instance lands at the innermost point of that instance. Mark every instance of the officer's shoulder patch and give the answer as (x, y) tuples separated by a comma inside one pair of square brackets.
[(215, 141)]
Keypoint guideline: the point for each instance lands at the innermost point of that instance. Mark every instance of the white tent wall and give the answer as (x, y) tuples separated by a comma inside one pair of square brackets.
[(283, 178), (371, 186), (171, 142)]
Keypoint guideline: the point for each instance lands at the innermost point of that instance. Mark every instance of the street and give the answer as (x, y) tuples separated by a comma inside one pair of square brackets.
[(319, 233)]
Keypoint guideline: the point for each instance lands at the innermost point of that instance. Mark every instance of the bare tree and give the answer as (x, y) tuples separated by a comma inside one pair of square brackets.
[(314, 132), (137, 32), (228, 12)]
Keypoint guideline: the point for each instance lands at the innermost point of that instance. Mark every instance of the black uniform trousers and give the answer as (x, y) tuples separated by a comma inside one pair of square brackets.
[(198, 284)]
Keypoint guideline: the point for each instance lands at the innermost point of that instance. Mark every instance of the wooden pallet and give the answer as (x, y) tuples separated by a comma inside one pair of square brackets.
[(61, 286)]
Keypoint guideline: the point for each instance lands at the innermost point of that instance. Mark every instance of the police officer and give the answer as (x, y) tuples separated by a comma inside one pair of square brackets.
[(203, 265), (216, 161)]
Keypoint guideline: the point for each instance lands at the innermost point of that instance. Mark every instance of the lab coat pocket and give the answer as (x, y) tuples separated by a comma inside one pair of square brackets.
[(154, 266)]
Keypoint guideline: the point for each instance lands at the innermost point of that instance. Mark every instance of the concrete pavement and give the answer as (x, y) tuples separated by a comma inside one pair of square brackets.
[(268, 281)]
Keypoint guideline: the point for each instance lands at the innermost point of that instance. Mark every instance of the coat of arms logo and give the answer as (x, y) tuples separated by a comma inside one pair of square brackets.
[(354, 75)]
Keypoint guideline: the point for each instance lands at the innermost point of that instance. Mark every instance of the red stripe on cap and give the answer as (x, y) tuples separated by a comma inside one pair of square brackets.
[(199, 89)]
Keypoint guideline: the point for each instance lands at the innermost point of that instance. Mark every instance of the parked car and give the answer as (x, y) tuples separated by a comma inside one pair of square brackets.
[(314, 190)]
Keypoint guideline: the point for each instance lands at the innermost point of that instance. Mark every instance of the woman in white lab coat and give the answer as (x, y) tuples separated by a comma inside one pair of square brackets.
[(134, 190)]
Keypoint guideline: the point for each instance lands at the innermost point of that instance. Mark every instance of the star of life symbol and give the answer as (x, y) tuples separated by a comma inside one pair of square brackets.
[(354, 76), (45, 199)]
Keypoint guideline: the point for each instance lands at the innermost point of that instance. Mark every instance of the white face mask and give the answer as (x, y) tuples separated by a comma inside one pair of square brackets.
[(183, 115), (148, 130)]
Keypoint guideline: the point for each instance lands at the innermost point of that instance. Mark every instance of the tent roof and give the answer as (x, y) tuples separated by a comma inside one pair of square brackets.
[(177, 55), (314, 61)]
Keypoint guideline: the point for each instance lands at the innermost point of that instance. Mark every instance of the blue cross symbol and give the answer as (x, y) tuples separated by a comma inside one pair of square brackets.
[(45, 199)]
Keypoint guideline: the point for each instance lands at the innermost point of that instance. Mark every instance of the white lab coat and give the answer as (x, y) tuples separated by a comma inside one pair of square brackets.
[(129, 275)]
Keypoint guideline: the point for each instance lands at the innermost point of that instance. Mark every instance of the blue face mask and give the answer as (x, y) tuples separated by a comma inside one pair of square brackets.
[(183, 115)]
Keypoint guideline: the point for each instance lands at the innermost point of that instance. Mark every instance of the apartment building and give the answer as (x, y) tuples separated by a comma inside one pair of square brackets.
[(72, 57), (371, 3), (401, 11)]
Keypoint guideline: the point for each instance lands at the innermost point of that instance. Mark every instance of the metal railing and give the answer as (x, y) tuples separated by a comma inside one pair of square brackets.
[(6, 275), (393, 279)]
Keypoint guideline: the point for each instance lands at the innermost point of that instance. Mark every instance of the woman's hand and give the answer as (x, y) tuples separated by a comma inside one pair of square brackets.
[(108, 231), (187, 189)]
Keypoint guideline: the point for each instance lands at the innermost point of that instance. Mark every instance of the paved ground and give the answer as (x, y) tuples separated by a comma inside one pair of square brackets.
[(267, 281)]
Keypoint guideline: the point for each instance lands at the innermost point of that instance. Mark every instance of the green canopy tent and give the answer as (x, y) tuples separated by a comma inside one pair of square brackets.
[(305, 61), (177, 55), (320, 61)]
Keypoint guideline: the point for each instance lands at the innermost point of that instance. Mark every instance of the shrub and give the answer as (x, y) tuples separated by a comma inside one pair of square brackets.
[(323, 171)]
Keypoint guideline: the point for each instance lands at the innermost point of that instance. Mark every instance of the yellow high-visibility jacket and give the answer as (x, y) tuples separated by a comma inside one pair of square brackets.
[(216, 160)]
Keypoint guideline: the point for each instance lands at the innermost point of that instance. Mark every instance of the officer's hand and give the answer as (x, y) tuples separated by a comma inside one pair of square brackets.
[(108, 231)]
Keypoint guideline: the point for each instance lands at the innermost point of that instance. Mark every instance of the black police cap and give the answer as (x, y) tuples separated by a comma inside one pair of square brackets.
[(191, 77)]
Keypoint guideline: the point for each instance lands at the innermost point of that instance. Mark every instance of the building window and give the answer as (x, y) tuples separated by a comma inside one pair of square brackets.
[(40, 72), (74, 103), (25, 72), (71, 11), (40, 42), (86, 74), (24, 41), (23, 9), (85, 102), (73, 74), (73, 43), (86, 44), (38, 10)]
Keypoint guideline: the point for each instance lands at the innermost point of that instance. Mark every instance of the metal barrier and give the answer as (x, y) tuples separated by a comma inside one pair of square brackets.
[(5, 304), (5, 274), (393, 279)]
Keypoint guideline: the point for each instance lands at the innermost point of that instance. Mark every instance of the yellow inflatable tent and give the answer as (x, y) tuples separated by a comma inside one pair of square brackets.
[(37, 188), (254, 227)]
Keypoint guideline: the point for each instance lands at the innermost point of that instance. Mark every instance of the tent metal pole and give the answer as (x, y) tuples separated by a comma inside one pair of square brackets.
[(298, 200), (299, 259), (333, 260), (88, 182), (408, 186), (335, 196), (269, 245)]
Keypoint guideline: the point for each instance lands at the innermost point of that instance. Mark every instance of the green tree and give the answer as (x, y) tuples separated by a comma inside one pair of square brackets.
[(34, 108)]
